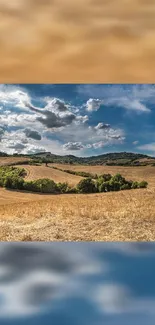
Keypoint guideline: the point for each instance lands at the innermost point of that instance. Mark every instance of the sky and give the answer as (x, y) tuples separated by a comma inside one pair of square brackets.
[(77, 283), (77, 119)]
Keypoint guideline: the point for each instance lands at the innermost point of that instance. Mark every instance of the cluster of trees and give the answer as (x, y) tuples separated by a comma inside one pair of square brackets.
[(107, 183), (13, 178)]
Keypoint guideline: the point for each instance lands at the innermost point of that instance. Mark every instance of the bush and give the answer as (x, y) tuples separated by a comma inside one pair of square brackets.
[(142, 184), (125, 187), (63, 187), (119, 178), (106, 177), (104, 187), (44, 185), (134, 185), (86, 186), (114, 185)]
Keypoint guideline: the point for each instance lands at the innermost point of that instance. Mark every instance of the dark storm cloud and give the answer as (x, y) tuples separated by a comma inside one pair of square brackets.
[(53, 119), (32, 134), (1, 133)]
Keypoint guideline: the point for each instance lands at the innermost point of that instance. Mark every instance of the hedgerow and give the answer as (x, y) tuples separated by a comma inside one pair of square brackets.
[(13, 178)]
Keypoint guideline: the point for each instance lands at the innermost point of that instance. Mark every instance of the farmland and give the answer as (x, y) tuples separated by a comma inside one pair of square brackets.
[(125, 215), (35, 172), (12, 160)]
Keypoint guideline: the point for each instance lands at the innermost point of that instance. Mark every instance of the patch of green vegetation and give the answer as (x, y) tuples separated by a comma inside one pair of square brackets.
[(13, 178)]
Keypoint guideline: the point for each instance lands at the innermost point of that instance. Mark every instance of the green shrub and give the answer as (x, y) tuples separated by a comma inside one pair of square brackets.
[(142, 184), (63, 187), (104, 187), (106, 177), (119, 178), (125, 187), (86, 186), (134, 185), (44, 185), (114, 185)]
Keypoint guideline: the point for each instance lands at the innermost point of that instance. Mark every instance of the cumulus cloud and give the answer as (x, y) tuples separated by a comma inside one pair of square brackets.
[(93, 104), (83, 119), (101, 126), (56, 104), (51, 118), (11, 95), (32, 134), (17, 142), (133, 98), (73, 146)]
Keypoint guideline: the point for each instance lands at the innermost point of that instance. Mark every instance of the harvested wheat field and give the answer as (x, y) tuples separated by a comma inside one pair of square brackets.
[(36, 172), (134, 173), (12, 160), (127, 215), (77, 41)]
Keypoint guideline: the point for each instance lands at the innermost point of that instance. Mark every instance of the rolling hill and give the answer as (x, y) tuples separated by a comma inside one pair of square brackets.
[(110, 159)]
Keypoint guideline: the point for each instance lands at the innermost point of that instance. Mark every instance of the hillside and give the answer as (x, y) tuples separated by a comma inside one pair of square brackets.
[(38, 172), (109, 159), (114, 216)]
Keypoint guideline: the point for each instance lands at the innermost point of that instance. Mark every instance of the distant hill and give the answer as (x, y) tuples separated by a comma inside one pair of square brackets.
[(110, 159), (3, 154)]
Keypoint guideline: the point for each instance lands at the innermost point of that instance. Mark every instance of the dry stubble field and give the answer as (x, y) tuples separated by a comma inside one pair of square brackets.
[(115, 216)]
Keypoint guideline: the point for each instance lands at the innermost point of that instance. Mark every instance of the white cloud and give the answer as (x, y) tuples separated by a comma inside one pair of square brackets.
[(82, 119), (93, 104), (12, 95), (130, 97), (133, 104), (57, 119), (148, 147), (73, 146), (135, 142), (101, 126)]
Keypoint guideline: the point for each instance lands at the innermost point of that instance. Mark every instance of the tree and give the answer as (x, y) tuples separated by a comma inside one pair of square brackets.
[(86, 186), (106, 177)]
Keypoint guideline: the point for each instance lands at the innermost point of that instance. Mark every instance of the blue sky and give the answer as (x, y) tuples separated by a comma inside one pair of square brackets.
[(77, 283), (79, 119)]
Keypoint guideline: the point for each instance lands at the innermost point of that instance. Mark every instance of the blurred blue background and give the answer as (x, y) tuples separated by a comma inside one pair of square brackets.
[(77, 283)]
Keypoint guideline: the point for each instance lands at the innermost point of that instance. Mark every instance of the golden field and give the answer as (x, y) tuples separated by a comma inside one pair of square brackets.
[(49, 41), (35, 172), (12, 160), (116, 216)]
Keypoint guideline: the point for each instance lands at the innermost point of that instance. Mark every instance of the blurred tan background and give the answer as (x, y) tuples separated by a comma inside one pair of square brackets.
[(77, 41)]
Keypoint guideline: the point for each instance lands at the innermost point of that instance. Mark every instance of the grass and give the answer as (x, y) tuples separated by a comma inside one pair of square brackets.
[(115, 216)]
